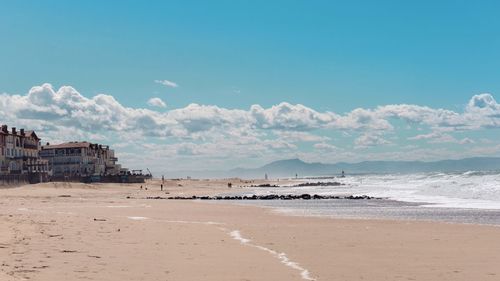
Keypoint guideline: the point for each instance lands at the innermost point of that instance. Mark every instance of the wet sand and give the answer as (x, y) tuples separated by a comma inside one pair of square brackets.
[(93, 232)]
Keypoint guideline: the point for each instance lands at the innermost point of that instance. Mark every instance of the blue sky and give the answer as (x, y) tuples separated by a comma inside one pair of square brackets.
[(330, 56)]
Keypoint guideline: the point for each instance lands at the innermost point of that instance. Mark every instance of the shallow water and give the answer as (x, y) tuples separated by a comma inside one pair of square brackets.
[(465, 197), (477, 190), (379, 209)]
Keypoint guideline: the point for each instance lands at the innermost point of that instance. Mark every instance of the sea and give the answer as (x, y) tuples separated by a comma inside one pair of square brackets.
[(457, 197)]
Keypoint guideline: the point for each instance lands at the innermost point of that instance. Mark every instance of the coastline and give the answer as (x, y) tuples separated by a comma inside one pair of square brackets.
[(70, 231), (381, 209)]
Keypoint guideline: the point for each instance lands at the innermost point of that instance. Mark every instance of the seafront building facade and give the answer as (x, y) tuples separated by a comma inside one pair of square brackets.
[(73, 160), (24, 159), (19, 156), (3, 162)]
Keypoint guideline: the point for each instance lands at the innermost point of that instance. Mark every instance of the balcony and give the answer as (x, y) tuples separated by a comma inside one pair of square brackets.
[(27, 157), (30, 146), (67, 163)]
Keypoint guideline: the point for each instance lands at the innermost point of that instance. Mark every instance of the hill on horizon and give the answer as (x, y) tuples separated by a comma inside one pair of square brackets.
[(291, 167)]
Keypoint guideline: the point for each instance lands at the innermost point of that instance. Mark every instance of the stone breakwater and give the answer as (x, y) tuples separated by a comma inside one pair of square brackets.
[(265, 197), (305, 184)]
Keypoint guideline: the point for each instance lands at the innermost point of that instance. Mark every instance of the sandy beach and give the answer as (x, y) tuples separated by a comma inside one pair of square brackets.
[(62, 231)]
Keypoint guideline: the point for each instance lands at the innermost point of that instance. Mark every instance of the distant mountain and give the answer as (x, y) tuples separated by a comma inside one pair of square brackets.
[(290, 167)]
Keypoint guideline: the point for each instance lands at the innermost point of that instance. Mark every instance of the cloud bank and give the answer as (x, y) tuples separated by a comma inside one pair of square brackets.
[(256, 132)]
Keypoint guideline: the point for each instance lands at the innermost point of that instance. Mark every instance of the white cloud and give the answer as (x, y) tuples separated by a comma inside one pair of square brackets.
[(68, 107), (440, 137), (44, 105), (362, 119), (367, 140), (466, 141), (298, 136), (289, 117), (325, 147), (482, 111), (157, 102), (221, 133), (167, 83)]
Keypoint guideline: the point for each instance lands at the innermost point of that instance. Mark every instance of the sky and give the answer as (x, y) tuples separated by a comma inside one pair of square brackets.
[(195, 85)]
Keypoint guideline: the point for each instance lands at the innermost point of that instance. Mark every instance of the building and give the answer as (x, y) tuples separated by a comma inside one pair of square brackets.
[(13, 151), (4, 166), (19, 155), (23, 159), (74, 160)]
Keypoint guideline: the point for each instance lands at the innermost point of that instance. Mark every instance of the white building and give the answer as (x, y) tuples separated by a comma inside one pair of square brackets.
[(80, 159)]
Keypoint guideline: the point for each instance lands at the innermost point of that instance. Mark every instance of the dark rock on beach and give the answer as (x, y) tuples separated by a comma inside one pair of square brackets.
[(334, 183), (267, 197), (264, 185)]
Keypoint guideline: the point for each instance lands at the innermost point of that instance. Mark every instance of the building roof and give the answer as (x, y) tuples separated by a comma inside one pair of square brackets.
[(74, 144), (32, 134), (29, 133)]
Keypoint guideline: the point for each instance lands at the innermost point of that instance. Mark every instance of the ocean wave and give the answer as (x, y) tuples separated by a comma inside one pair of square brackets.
[(470, 189)]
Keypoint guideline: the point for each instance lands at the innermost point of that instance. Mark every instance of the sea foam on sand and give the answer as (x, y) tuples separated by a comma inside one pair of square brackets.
[(137, 218), (304, 273)]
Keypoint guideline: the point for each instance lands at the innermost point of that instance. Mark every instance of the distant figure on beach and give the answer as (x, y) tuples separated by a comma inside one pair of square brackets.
[(229, 185), (161, 187), (343, 174), (141, 187), (296, 175)]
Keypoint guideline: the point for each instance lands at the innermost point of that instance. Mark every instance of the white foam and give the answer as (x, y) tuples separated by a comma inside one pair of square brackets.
[(236, 235), (193, 222), (304, 273), (477, 190), (138, 218)]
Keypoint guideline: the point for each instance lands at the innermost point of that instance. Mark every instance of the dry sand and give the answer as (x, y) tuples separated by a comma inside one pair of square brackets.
[(92, 232)]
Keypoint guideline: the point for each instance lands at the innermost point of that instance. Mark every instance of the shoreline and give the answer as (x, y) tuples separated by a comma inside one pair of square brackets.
[(381, 209), (66, 232), (292, 213)]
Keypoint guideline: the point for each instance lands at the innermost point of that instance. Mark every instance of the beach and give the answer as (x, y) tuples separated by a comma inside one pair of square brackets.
[(73, 231)]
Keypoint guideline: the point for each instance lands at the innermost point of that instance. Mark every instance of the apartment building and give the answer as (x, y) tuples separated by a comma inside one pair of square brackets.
[(74, 160), (24, 159), (3, 162), (19, 154)]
